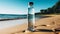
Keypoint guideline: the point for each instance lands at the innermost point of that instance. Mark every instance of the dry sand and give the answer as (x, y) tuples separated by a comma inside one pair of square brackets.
[(45, 21)]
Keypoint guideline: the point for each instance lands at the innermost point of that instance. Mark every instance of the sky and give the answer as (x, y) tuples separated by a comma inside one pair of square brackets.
[(21, 6)]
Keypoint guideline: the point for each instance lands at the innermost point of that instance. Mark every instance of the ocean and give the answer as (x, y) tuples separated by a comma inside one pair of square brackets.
[(11, 16)]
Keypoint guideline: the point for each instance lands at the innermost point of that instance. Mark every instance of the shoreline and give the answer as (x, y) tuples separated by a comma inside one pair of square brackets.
[(10, 23), (37, 17)]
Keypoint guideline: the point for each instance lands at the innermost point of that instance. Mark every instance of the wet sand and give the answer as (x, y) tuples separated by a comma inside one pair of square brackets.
[(45, 21)]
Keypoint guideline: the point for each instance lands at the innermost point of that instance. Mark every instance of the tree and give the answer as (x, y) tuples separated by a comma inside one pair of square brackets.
[(42, 11)]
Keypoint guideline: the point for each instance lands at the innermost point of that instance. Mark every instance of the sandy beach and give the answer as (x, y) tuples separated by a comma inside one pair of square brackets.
[(17, 29), (7, 27)]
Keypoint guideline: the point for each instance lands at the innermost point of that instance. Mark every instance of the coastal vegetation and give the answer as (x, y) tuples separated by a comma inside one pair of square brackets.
[(55, 9)]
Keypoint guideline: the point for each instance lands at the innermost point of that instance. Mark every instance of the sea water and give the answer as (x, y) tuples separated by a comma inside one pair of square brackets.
[(8, 16)]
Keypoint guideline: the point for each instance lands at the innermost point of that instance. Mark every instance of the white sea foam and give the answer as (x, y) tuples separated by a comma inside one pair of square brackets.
[(11, 23)]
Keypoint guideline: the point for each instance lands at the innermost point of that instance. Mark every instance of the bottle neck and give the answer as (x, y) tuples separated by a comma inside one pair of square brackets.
[(30, 6)]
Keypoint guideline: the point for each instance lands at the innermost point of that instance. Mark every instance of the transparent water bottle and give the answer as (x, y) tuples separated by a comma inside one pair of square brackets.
[(31, 17)]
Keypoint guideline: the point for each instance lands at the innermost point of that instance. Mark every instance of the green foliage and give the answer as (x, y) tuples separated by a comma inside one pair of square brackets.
[(52, 10)]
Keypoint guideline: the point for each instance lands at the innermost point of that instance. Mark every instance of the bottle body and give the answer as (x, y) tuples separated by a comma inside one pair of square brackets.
[(31, 18)]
